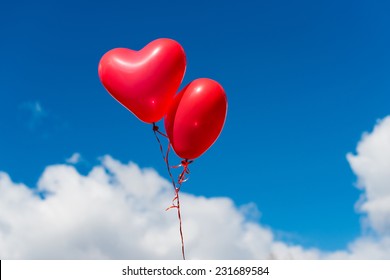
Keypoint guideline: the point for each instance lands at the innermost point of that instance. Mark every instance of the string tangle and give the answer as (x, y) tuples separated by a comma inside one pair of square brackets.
[(176, 185)]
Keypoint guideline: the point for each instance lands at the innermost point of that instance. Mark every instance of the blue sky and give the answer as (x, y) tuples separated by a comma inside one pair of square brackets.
[(304, 80)]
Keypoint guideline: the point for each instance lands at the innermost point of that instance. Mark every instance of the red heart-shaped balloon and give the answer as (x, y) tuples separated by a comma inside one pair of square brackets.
[(144, 81), (196, 118)]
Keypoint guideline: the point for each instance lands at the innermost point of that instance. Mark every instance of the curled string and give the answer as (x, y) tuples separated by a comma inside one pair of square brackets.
[(176, 204), (186, 171), (175, 200)]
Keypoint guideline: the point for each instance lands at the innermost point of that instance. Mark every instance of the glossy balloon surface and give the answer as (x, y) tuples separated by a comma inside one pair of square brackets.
[(196, 117), (144, 81)]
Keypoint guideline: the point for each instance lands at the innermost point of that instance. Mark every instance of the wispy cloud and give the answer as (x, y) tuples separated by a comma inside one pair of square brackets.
[(35, 113)]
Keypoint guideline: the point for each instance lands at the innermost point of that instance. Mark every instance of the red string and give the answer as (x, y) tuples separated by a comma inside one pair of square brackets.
[(186, 171), (177, 206), (165, 157), (181, 180)]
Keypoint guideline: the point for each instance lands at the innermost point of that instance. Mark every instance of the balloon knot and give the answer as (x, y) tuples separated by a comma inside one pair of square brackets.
[(186, 162)]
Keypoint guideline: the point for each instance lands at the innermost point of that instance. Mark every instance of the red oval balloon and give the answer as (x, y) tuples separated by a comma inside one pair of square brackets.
[(144, 81), (196, 118)]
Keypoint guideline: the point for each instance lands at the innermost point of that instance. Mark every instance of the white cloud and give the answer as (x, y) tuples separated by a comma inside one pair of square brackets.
[(74, 159), (371, 164), (117, 211)]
